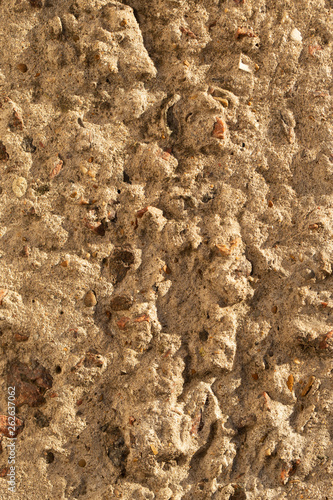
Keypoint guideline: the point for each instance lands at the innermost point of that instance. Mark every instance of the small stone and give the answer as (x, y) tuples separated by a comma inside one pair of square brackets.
[(20, 338), (30, 383), (36, 3), (16, 122), (82, 463), (3, 293), (4, 156), (166, 269), (154, 449), (295, 35), (56, 169), (223, 249), (143, 317), (244, 67), (90, 299), (4, 471), (19, 186), (290, 382), (121, 303), (219, 129), (121, 323), (243, 32), (22, 67), (6, 428), (308, 386)]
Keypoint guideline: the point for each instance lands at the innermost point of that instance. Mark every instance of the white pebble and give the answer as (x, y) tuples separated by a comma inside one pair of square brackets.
[(296, 35), (244, 67), (19, 186)]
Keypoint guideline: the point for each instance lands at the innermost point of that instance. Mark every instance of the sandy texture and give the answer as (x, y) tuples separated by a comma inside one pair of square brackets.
[(166, 248)]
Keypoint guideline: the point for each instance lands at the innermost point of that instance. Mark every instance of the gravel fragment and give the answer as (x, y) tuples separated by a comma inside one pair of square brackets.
[(19, 186), (90, 299)]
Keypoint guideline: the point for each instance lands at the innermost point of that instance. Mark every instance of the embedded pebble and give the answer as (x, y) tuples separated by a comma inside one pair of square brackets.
[(296, 36), (90, 299), (19, 186)]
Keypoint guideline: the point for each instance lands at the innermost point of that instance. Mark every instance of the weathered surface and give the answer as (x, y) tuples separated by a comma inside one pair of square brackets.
[(166, 248)]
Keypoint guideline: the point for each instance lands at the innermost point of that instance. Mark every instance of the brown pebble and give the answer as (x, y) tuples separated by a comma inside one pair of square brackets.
[(154, 449), (274, 309), (82, 463), (270, 203), (64, 263), (90, 299), (16, 122), (36, 3), (4, 156), (187, 32), (290, 382), (224, 102), (22, 67), (255, 376), (143, 317), (3, 293), (121, 323), (4, 471), (308, 386), (20, 338), (223, 249), (6, 428), (121, 303), (166, 269), (219, 129), (56, 169), (242, 32), (140, 213)]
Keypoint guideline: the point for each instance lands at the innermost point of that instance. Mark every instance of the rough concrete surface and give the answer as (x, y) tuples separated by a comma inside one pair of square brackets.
[(166, 281)]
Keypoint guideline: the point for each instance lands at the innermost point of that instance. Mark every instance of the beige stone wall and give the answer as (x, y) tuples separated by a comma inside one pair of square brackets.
[(166, 249)]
